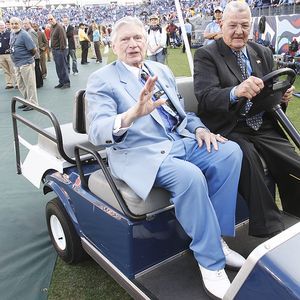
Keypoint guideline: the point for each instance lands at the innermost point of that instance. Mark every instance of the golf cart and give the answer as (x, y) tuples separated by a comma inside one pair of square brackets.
[(140, 243)]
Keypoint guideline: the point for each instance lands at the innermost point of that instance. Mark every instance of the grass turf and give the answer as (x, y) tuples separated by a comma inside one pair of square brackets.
[(87, 280)]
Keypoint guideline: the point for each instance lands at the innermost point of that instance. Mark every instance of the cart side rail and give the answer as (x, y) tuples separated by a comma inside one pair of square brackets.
[(57, 138)]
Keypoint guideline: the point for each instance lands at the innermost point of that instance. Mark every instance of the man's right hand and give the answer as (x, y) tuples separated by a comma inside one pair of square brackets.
[(144, 106), (249, 88)]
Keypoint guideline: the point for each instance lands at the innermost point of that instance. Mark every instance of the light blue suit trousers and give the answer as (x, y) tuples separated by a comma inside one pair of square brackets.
[(203, 188)]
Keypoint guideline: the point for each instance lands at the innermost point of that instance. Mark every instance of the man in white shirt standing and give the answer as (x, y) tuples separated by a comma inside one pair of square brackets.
[(157, 39), (213, 30)]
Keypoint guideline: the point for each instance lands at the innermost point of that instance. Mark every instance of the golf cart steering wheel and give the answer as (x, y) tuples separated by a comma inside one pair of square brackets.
[(274, 88)]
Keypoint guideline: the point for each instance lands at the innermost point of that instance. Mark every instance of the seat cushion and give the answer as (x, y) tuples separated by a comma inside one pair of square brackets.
[(157, 199), (185, 87), (70, 140)]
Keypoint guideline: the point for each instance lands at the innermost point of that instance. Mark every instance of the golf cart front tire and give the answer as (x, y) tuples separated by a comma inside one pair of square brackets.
[(62, 233)]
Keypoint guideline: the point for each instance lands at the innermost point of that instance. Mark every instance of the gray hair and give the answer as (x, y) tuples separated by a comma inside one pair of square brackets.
[(236, 6), (15, 20), (2, 23), (125, 21)]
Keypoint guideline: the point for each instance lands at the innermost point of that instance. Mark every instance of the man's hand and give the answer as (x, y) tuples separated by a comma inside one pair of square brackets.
[(249, 88), (203, 135), (288, 95), (144, 106)]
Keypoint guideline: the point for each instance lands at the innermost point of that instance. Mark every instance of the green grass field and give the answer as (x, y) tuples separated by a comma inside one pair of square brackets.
[(87, 280)]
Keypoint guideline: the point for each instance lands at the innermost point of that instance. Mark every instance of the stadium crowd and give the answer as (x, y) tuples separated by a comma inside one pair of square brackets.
[(108, 14), (96, 21)]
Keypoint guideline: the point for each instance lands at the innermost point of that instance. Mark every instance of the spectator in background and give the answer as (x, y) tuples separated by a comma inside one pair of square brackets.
[(47, 32), (59, 51), (5, 59), (34, 35), (97, 42), (7, 25), (293, 47), (43, 44), (71, 52), (213, 31), (157, 39), (90, 35), (188, 28), (23, 49), (84, 43), (171, 31)]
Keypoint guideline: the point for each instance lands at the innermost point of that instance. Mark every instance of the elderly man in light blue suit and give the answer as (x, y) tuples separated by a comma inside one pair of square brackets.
[(134, 107)]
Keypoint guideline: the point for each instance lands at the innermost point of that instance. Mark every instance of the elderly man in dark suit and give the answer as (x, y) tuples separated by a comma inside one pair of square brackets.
[(227, 71)]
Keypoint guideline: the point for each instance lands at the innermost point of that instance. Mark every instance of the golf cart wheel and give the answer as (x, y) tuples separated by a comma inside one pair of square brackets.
[(62, 233)]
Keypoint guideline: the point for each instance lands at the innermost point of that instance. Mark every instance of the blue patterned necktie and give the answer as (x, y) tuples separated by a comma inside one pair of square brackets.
[(168, 109), (255, 121)]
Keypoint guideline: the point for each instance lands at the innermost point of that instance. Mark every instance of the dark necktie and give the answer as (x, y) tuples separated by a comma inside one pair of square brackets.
[(255, 121)]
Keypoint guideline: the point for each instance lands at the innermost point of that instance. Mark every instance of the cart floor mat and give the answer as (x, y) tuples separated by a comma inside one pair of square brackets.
[(172, 280)]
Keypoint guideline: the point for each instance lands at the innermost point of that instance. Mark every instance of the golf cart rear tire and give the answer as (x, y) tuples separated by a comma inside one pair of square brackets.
[(63, 234)]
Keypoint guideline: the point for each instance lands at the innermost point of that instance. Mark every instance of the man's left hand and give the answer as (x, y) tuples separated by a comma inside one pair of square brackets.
[(203, 135), (288, 95)]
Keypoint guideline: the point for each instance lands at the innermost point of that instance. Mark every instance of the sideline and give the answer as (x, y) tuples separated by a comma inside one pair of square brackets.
[(27, 257)]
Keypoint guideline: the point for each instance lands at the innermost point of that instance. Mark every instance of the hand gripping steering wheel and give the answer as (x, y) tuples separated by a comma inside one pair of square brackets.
[(275, 85)]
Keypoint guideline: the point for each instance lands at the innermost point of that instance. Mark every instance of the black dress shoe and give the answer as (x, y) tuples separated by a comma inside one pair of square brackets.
[(58, 86), (22, 106), (9, 87), (65, 86), (27, 108)]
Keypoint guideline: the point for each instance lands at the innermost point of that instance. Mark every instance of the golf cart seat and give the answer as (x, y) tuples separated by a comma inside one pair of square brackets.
[(71, 133), (158, 198), (98, 184)]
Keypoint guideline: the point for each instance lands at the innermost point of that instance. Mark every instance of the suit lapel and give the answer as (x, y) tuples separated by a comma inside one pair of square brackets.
[(133, 87), (229, 59), (256, 62), (169, 91)]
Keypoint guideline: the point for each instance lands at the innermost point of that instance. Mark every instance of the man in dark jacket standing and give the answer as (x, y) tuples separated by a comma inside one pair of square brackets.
[(71, 46), (59, 52)]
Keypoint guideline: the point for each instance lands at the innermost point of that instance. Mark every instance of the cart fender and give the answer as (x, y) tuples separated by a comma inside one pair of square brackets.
[(272, 270), (51, 186), (38, 162)]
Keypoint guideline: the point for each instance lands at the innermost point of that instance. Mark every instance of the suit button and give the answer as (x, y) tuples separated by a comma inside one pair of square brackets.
[(108, 142), (162, 151), (167, 86)]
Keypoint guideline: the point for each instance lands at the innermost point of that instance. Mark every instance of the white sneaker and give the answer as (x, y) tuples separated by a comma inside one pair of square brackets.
[(216, 283), (234, 260)]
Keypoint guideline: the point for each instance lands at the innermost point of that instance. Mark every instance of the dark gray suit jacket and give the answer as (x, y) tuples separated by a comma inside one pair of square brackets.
[(216, 72)]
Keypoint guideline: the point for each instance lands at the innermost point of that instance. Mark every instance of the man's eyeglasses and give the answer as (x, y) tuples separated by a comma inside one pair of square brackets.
[(50, 19)]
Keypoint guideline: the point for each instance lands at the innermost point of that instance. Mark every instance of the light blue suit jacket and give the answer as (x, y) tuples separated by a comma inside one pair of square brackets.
[(137, 156)]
